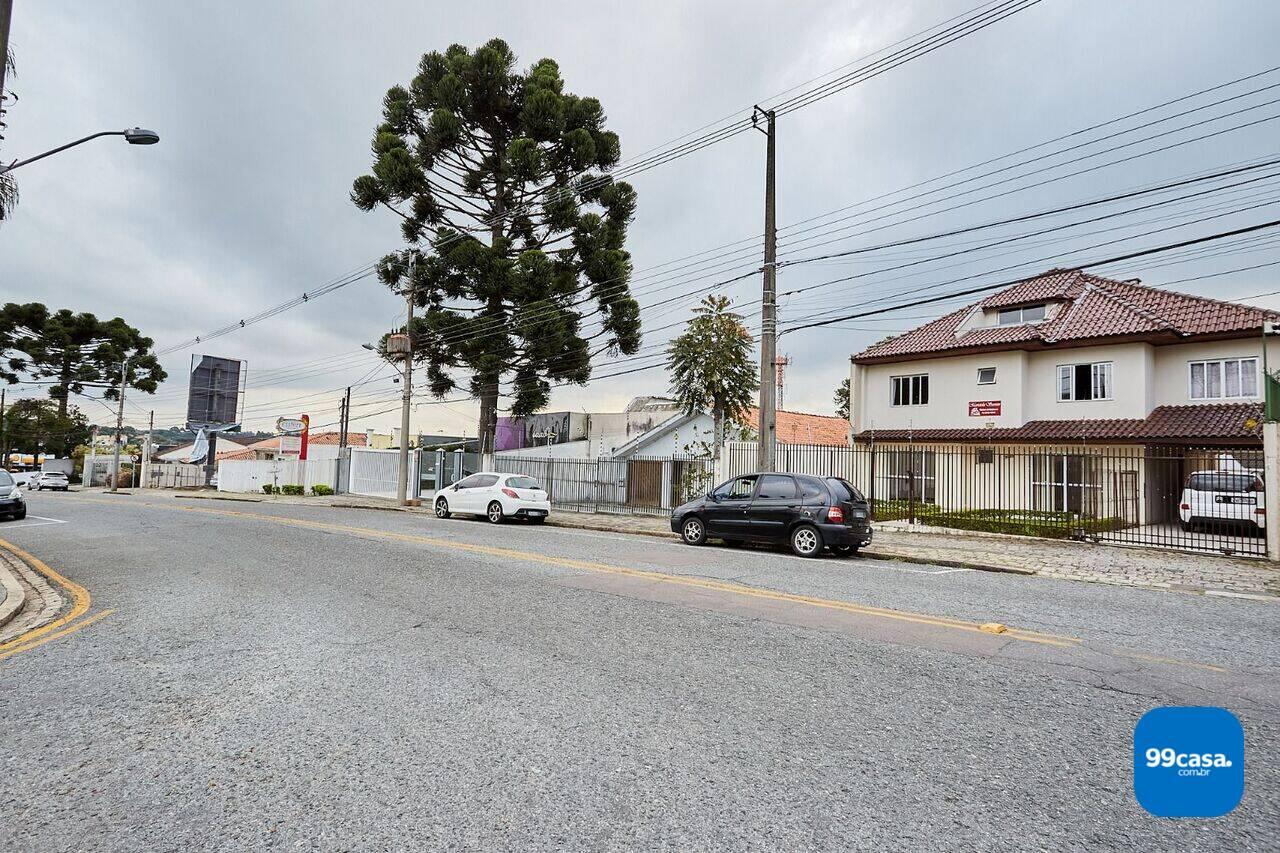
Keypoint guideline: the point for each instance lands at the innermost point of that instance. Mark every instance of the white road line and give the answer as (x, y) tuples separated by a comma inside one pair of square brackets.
[(43, 521)]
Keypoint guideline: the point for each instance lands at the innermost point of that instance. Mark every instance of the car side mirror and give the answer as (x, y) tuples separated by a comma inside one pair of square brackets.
[(713, 497)]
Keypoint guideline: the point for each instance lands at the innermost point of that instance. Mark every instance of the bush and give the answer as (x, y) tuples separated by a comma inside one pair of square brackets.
[(292, 489), (320, 490), (268, 489)]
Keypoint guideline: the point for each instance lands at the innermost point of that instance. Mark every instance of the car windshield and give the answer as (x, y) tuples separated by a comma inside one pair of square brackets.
[(522, 483), (5, 479), (1221, 481)]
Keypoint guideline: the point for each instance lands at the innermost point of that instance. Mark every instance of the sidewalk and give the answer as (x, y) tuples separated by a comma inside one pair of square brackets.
[(1077, 561)]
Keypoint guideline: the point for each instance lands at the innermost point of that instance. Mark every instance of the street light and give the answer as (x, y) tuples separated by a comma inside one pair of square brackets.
[(132, 135)]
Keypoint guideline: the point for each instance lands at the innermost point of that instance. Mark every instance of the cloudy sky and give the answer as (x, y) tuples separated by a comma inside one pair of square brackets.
[(266, 110)]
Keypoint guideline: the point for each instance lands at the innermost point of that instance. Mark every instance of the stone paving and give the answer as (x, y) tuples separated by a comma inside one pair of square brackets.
[(1078, 561)]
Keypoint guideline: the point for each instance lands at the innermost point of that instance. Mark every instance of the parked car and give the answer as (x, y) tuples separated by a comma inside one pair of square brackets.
[(1235, 497), (12, 504), (496, 497), (804, 511), (52, 480)]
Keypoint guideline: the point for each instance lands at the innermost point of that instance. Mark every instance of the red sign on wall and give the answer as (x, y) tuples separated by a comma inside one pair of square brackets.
[(983, 408)]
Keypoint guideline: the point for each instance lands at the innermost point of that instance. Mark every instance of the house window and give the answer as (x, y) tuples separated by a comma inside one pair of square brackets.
[(986, 456), (1025, 314), (1084, 381), (986, 376), (910, 390), (910, 475), (1224, 378)]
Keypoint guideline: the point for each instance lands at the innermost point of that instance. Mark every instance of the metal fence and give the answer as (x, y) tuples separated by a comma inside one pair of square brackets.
[(651, 485), (174, 475), (1136, 495)]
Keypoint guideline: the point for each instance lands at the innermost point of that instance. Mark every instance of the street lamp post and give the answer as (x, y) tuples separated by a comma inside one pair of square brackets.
[(115, 465), (132, 135)]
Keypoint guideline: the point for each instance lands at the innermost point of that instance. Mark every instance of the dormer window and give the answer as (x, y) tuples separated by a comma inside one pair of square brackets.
[(1025, 314)]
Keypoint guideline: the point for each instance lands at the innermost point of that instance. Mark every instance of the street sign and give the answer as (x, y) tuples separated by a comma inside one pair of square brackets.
[(291, 426)]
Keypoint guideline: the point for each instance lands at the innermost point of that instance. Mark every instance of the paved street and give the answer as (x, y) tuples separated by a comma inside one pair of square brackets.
[(321, 678)]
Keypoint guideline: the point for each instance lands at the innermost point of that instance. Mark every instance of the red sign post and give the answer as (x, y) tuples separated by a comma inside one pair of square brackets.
[(306, 428)]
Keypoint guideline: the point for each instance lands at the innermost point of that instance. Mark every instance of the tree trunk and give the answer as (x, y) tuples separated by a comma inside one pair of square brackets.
[(487, 428), (488, 425), (717, 434)]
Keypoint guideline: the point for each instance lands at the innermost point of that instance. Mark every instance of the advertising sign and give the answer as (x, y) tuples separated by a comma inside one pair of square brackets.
[(984, 408), (214, 391), (290, 445)]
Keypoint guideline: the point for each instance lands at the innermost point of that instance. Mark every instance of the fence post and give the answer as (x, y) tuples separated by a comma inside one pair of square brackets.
[(1271, 483)]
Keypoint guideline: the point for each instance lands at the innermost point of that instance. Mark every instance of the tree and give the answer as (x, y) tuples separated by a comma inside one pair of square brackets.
[(515, 234), (71, 352), (34, 426), (842, 400), (711, 365)]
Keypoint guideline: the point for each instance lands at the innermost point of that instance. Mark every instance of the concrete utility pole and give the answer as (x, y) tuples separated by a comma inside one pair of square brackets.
[(344, 418), (4, 447), (6, 15), (115, 465), (402, 487), (768, 304), (145, 479)]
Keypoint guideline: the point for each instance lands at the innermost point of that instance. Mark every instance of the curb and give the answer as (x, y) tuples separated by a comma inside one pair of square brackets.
[(219, 498), (14, 595)]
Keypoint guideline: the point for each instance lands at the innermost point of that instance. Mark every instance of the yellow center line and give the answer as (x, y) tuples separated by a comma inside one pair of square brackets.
[(79, 596), (644, 574), (29, 644)]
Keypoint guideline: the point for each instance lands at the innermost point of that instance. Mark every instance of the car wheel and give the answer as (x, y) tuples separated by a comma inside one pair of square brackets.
[(442, 508), (806, 541), (20, 514), (693, 531), (1185, 526), (494, 512), (844, 550)]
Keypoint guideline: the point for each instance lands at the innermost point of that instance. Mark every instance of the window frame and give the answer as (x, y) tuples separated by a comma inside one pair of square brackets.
[(1221, 363), (1071, 373), (760, 486), (993, 376), (1022, 315), (916, 385)]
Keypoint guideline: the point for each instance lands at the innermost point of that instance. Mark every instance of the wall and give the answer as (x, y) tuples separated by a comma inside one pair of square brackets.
[(1172, 379), (953, 384), (565, 450), (1130, 370), (250, 475)]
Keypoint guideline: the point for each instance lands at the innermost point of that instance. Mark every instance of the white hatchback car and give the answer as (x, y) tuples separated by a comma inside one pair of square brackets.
[(495, 496), (53, 480), (1224, 497)]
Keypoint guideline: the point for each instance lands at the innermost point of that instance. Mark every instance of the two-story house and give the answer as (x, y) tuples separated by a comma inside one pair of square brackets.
[(1066, 392)]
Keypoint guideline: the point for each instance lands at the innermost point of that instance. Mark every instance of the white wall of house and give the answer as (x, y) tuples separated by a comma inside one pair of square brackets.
[(564, 450), (1142, 377), (687, 438)]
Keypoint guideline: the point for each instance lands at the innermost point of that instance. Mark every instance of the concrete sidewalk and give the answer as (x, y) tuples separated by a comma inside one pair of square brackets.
[(1078, 561)]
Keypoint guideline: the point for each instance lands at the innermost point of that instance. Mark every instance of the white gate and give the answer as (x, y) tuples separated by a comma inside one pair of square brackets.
[(250, 475), (377, 472)]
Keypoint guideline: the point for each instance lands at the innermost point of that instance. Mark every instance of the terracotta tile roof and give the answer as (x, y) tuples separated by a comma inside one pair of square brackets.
[(354, 439), (1089, 307), (1233, 422), (804, 428)]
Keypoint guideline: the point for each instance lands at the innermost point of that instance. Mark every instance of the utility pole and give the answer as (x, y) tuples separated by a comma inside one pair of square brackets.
[(145, 479), (4, 446), (781, 363), (344, 418), (768, 303), (115, 469), (402, 487)]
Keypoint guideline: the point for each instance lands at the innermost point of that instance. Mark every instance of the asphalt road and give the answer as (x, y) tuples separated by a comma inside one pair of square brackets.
[(316, 678)]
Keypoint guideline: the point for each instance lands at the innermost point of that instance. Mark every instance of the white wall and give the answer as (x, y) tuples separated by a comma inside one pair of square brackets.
[(953, 385), (565, 450), (1172, 379), (688, 438)]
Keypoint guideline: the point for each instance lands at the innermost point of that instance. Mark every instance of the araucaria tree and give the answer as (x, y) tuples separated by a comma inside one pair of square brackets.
[(711, 365), (73, 353), (515, 233)]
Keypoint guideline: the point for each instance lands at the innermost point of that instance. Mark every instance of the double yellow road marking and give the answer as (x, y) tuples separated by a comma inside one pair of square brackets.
[(63, 625)]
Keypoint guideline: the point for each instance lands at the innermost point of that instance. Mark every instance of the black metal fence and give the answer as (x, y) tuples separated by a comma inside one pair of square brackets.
[(1185, 498), (646, 484)]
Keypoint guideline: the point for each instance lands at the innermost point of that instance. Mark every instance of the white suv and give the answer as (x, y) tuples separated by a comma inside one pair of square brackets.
[(53, 480), (1231, 497)]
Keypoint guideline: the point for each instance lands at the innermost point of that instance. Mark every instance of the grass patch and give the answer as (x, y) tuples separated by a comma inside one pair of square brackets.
[(1019, 522)]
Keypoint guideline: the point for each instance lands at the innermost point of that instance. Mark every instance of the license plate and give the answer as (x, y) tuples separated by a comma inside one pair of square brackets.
[(538, 512), (1232, 499)]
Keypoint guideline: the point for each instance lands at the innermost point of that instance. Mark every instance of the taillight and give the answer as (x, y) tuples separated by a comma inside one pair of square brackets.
[(1184, 506), (510, 493), (835, 515), (1259, 511)]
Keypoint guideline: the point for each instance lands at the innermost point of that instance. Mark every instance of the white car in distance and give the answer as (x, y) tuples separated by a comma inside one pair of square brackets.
[(496, 497), (52, 480)]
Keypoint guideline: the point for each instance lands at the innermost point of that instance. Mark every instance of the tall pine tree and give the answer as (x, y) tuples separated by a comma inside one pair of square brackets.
[(515, 232)]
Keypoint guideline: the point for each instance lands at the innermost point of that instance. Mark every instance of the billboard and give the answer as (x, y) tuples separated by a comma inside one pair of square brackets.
[(214, 391)]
